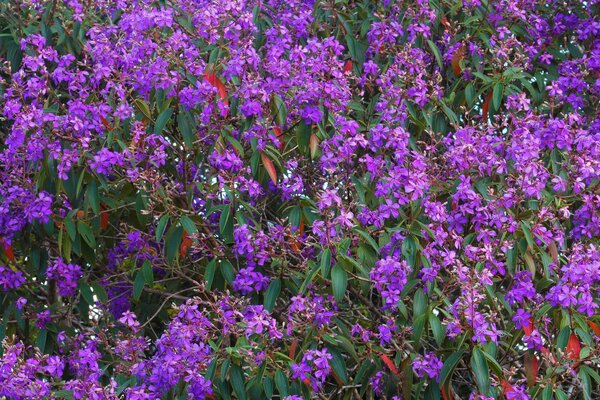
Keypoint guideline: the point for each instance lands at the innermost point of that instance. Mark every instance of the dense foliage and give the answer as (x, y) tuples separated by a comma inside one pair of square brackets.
[(292, 199)]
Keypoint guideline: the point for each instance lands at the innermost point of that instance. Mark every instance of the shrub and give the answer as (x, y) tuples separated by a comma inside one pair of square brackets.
[(295, 199)]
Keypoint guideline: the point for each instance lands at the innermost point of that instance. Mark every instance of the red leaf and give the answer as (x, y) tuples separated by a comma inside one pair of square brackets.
[(445, 22), (348, 67), (486, 106), (279, 135), (8, 250), (573, 347), (186, 243), (103, 218), (528, 329), (293, 347), (532, 368), (390, 364), (507, 388), (294, 243), (222, 91), (458, 55), (106, 124), (269, 166), (212, 78)]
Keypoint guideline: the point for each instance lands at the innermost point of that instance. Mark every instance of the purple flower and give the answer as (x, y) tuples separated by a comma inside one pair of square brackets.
[(389, 277), (65, 275), (429, 365)]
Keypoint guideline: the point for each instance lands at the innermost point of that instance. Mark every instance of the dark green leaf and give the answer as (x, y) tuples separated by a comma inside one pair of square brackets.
[(162, 120), (480, 370), (272, 293), (339, 281), (325, 263)]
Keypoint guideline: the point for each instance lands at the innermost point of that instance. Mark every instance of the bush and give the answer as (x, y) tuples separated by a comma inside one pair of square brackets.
[(297, 199)]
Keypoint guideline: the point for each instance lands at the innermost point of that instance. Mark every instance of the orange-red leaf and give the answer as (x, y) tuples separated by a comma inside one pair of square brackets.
[(486, 106), (594, 327), (553, 250), (390, 364), (314, 145), (106, 124), (186, 243), (447, 391), (458, 55), (573, 347), (532, 368), (270, 167)]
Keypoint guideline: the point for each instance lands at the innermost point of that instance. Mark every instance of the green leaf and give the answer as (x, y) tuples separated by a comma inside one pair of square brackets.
[(162, 120), (279, 110), (160, 227), (586, 384), (420, 303), (437, 329), (436, 53), (209, 273), (272, 293), (449, 366), (338, 365), (480, 370), (227, 271), (86, 293), (70, 227), (138, 285), (547, 393), (470, 94), (188, 224), (368, 238), (41, 340), (186, 128), (295, 216), (226, 224), (100, 292), (86, 233), (339, 282), (325, 263), (64, 394), (172, 242), (92, 196), (527, 232), (497, 95), (236, 377), (148, 273), (142, 106), (281, 382)]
